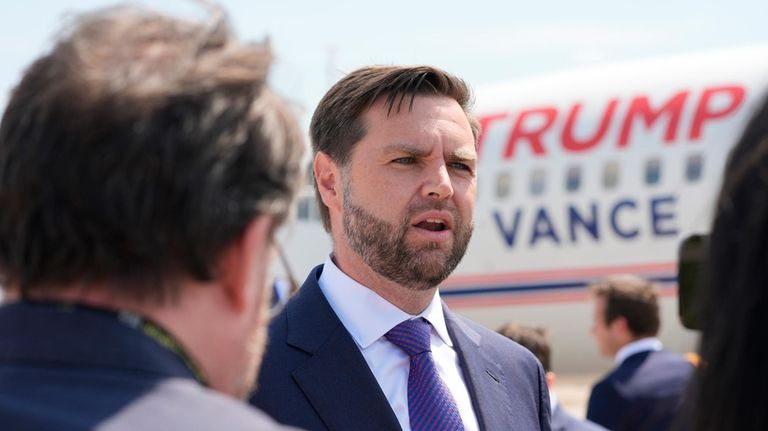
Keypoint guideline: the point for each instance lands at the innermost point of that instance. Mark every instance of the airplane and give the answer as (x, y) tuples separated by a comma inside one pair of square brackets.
[(582, 174)]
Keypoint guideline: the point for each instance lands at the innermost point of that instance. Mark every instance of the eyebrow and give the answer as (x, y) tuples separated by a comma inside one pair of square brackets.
[(464, 155), (406, 148), (461, 154)]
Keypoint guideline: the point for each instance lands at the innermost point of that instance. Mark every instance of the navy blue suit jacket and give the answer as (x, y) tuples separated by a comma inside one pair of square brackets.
[(644, 393), (315, 377), (75, 369)]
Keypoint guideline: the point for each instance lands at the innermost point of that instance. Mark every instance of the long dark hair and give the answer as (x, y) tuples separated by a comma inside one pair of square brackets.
[(729, 393)]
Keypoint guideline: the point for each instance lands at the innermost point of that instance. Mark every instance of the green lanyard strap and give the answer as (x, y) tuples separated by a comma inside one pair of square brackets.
[(134, 321), (163, 338)]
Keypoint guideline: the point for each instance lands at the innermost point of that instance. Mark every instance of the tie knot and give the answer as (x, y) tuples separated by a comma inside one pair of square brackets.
[(411, 336)]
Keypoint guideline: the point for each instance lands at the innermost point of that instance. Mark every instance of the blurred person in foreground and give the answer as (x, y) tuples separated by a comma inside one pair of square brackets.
[(646, 389), (144, 166), (367, 343), (729, 391), (536, 340)]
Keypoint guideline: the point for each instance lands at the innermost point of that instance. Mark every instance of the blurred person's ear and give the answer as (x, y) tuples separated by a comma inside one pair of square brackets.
[(329, 184), (620, 328), (243, 265)]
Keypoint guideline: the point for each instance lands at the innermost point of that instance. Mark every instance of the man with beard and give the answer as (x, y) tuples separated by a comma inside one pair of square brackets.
[(367, 344), (144, 164)]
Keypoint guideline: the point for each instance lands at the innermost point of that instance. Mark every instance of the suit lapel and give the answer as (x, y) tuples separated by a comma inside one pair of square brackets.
[(482, 374), (335, 377)]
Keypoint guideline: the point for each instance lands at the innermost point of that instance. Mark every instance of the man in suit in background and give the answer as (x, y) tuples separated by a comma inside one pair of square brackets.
[(367, 343), (144, 165), (536, 340), (646, 389)]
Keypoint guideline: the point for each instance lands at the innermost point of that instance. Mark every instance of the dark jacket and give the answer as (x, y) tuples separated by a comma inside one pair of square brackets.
[(315, 377), (64, 368), (644, 393)]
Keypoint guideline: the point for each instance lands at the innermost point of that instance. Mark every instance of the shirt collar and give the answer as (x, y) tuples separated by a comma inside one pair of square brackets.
[(366, 315), (637, 346)]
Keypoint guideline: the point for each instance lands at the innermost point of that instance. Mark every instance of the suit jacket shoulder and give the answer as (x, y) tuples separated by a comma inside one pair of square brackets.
[(505, 379), (645, 392), (563, 421), (313, 375), (179, 404), (100, 373)]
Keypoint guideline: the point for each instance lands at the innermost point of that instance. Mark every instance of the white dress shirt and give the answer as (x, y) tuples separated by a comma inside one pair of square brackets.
[(637, 346), (367, 317)]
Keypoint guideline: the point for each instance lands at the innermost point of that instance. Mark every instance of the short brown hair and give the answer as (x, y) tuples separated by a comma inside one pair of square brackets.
[(138, 149), (337, 125), (533, 338), (633, 298)]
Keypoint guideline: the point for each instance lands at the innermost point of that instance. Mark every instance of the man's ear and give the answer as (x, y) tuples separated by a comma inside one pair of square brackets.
[(244, 263), (328, 178), (620, 326)]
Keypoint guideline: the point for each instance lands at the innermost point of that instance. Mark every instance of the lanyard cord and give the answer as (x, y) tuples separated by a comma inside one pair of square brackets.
[(163, 338)]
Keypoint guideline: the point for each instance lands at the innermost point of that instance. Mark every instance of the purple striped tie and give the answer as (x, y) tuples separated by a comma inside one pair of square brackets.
[(430, 404)]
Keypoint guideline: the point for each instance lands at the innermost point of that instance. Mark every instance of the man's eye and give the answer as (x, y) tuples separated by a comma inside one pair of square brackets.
[(461, 166), (404, 161)]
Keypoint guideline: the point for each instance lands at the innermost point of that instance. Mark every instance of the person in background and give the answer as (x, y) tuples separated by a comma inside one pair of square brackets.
[(646, 389), (536, 340), (144, 167), (367, 343), (729, 389)]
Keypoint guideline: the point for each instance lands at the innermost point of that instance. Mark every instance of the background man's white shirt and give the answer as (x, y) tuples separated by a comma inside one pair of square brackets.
[(367, 317), (637, 346)]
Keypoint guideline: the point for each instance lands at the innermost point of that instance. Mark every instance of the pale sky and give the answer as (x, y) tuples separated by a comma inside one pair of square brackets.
[(483, 41)]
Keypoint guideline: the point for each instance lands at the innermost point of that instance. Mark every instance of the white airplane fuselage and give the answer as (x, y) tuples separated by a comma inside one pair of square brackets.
[(585, 174)]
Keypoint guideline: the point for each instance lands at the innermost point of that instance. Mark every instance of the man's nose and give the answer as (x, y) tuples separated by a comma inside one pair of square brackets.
[(438, 184)]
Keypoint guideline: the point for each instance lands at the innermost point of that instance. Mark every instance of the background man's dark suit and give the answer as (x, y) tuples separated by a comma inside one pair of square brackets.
[(315, 377), (644, 393), (82, 369)]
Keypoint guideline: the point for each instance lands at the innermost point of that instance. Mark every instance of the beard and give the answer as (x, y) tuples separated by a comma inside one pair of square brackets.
[(254, 347), (383, 247), (255, 352)]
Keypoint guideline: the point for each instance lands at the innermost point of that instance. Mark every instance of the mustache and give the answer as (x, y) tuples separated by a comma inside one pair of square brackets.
[(420, 207)]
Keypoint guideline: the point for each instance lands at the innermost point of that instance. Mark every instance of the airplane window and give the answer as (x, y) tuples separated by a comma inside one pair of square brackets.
[(610, 175), (303, 208), (310, 175), (573, 178), (503, 184), (314, 210), (538, 181), (652, 171), (694, 166), (307, 209)]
